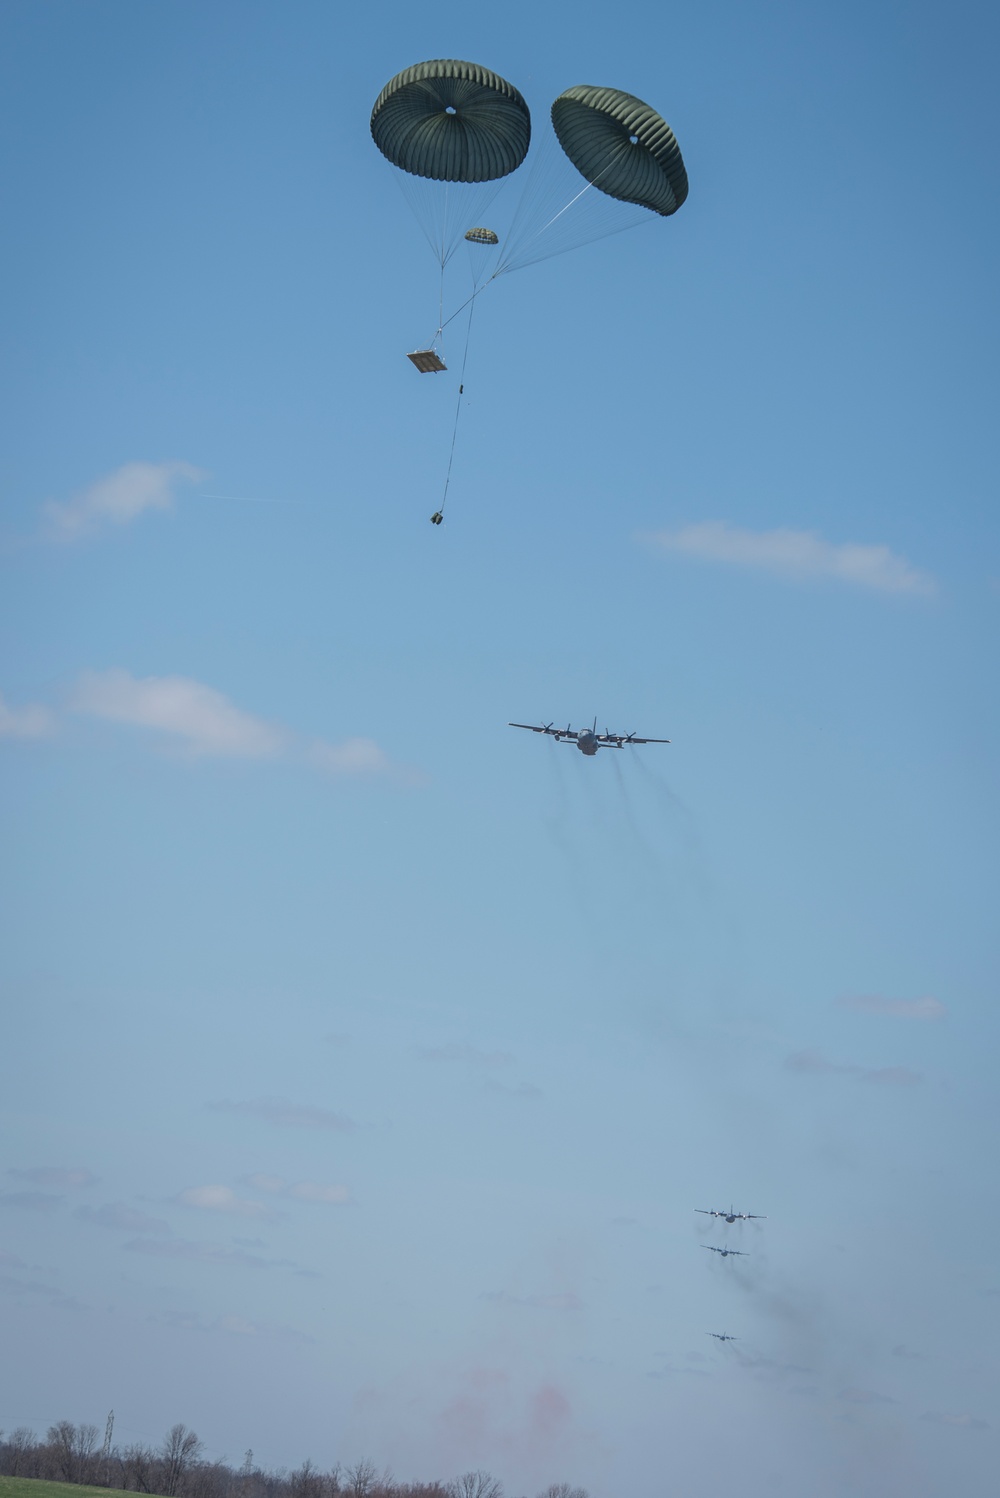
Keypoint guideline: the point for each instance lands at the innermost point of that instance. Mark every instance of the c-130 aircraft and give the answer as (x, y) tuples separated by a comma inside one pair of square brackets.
[(587, 740)]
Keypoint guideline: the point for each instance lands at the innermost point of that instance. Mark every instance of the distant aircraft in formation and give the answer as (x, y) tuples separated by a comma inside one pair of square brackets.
[(722, 1336), (725, 1252), (587, 740), (732, 1216)]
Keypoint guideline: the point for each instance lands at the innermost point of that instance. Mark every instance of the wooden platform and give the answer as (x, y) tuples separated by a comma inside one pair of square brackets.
[(426, 360)]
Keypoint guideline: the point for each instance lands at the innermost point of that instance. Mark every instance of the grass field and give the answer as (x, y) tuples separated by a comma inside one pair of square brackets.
[(35, 1487)]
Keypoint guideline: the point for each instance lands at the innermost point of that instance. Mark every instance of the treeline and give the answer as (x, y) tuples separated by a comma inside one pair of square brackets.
[(177, 1469)]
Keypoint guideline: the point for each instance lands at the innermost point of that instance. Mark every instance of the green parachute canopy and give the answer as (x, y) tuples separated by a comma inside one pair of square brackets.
[(452, 122), (482, 236), (622, 147)]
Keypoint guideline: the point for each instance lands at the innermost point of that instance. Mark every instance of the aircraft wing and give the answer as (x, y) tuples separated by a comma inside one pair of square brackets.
[(706, 1212), (557, 733), (619, 740)]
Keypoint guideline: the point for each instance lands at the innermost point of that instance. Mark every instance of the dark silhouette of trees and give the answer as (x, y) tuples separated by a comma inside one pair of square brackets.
[(475, 1485), (136, 1463), (177, 1469), (71, 1447), (18, 1444), (180, 1449)]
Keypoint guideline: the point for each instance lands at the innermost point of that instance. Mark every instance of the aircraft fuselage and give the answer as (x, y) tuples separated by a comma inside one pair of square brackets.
[(587, 742)]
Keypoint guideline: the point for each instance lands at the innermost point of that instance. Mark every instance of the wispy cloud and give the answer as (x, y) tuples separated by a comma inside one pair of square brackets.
[(961, 1422), (566, 1301), (223, 1199), (121, 1218), (862, 1396), (230, 1326), (118, 498), (11, 1285), (352, 757), (32, 721), (518, 1089), (286, 1115), (303, 1191), (920, 1009), (458, 1051), (202, 722), (814, 1063), (800, 555), (200, 1253), (30, 1201), (55, 1175)]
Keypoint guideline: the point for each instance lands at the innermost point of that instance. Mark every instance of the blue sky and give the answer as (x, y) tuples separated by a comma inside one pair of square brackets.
[(365, 1059)]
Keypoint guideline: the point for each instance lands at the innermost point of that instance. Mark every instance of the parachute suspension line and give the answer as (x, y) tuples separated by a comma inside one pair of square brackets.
[(442, 254), (458, 409), (469, 301), (513, 258), (443, 246), (440, 326)]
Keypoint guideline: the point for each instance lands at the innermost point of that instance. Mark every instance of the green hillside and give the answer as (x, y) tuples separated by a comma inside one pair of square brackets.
[(35, 1487)]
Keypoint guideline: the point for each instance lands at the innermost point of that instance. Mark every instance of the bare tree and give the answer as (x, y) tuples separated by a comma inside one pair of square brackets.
[(361, 1479), (137, 1467), (476, 1485), (72, 1446), (180, 1448), (19, 1443), (306, 1482), (176, 1470)]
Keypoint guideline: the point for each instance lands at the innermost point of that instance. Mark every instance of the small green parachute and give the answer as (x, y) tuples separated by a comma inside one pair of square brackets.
[(482, 236)]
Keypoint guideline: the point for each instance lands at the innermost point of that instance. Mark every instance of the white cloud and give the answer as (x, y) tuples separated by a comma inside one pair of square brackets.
[(222, 1199), (313, 1191), (886, 1076), (925, 1008), (204, 722), (802, 555), (352, 757), (118, 498), (202, 719), (29, 722), (261, 1182)]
